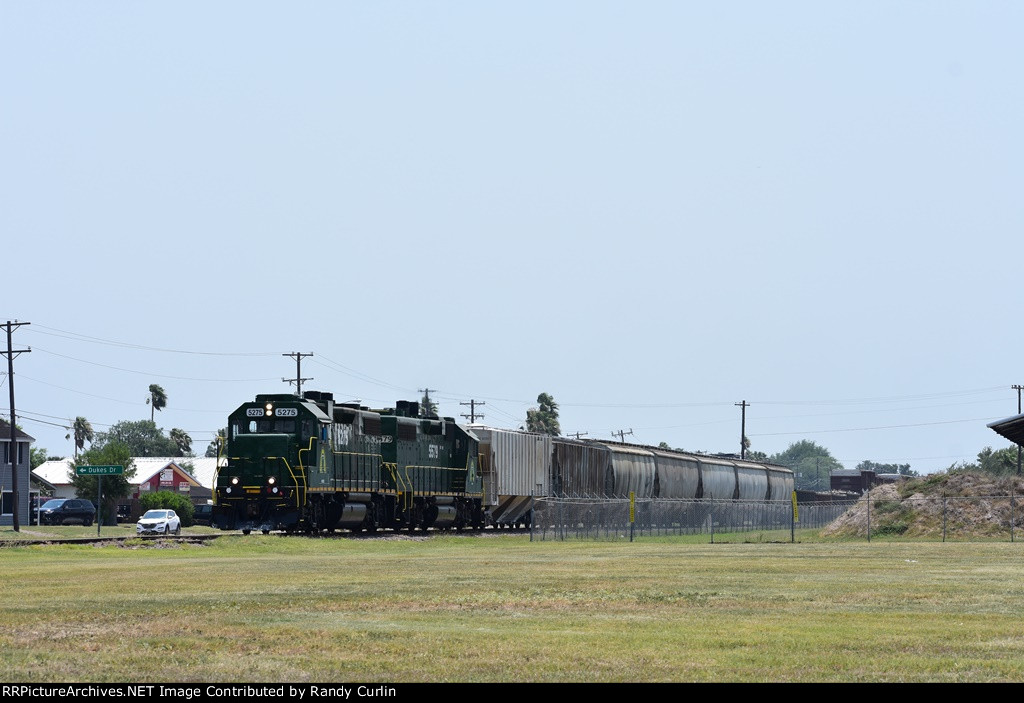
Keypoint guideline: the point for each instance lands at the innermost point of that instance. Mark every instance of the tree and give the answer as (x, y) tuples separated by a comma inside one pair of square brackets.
[(37, 457), (157, 400), (82, 430), (998, 462), (428, 407), (182, 440), (142, 437), (544, 418), (211, 450), (169, 500), (811, 464), (114, 487)]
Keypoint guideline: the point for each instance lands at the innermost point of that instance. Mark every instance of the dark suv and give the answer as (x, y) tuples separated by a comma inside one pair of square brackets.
[(60, 511), (202, 514)]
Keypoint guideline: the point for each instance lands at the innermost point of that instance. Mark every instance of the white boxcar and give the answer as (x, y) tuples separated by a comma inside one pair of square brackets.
[(515, 467)]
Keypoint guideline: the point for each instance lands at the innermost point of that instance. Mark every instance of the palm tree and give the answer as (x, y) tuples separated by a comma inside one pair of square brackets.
[(544, 418), (83, 433), (157, 400), (181, 438)]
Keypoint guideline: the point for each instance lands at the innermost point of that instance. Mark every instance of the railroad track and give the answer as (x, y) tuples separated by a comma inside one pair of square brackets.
[(198, 539)]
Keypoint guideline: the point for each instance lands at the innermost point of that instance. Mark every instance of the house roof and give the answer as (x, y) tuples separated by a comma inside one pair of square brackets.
[(5, 433), (54, 471), (203, 469), (37, 479)]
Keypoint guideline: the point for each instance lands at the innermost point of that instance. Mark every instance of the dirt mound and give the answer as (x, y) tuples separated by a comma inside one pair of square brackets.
[(960, 504)]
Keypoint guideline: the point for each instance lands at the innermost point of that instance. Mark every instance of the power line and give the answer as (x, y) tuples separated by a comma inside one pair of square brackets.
[(151, 374), (879, 427), (128, 345)]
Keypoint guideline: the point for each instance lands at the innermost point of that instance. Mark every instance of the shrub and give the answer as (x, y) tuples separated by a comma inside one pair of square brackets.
[(169, 500)]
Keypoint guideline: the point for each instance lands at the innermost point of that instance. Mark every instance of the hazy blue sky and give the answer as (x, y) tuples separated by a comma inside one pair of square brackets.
[(651, 211)]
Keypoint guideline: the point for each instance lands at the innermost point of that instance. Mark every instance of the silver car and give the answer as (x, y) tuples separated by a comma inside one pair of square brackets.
[(159, 522)]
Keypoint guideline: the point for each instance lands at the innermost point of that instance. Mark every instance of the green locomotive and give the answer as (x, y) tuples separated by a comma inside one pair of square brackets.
[(310, 464)]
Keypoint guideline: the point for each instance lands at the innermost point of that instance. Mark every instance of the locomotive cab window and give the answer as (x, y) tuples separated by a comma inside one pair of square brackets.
[(268, 426)]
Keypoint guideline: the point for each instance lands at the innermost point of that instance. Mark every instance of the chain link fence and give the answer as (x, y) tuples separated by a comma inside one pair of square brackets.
[(960, 518)]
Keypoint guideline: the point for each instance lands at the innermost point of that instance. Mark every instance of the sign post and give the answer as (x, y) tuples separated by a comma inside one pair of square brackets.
[(99, 472)]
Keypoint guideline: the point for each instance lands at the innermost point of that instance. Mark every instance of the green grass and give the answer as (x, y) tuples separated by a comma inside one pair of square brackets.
[(499, 609)]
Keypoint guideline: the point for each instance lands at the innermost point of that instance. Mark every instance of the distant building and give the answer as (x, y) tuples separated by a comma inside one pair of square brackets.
[(23, 466), (151, 474), (854, 481)]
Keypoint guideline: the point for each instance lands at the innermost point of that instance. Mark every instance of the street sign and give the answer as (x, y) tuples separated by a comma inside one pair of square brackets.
[(99, 470)]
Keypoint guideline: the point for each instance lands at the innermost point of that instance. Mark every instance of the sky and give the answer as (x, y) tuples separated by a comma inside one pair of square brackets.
[(651, 211)]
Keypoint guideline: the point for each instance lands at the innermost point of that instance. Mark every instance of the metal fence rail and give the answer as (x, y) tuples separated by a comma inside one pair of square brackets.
[(934, 518), (585, 518)]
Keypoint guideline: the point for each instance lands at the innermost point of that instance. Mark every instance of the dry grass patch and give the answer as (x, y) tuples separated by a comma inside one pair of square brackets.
[(465, 609)]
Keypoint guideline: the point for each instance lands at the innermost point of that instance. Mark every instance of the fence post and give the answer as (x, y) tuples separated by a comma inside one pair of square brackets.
[(711, 517), (869, 514), (534, 516), (1011, 512), (792, 521), (943, 517)]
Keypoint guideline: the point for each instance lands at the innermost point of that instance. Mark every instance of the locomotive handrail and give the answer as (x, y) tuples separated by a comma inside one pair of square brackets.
[(305, 485), (399, 483), (307, 450)]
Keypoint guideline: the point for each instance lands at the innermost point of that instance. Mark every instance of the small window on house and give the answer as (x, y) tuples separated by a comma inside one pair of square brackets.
[(7, 503)]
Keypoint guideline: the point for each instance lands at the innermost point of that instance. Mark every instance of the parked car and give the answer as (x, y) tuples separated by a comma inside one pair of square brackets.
[(203, 514), (61, 511), (158, 522), (34, 505)]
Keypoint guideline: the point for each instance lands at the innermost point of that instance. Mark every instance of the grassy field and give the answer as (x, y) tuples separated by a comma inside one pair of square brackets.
[(503, 609)]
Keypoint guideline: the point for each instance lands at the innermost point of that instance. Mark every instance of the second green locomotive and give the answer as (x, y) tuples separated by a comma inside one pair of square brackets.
[(309, 464)]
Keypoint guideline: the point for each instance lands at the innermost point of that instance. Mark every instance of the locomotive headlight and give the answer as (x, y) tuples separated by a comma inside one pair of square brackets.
[(268, 409), (271, 480), (275, 489), (228, 489), (234, 480)]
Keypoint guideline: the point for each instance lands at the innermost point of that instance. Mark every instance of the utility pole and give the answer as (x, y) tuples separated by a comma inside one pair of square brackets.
[(298, 372), (12, 451), (426, 399), (1018, 389), (621, 434), (743, 428), (577, 435), (473, 414)]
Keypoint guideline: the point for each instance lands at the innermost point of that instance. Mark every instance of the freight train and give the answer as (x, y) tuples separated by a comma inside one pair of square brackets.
[(310, 464)]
